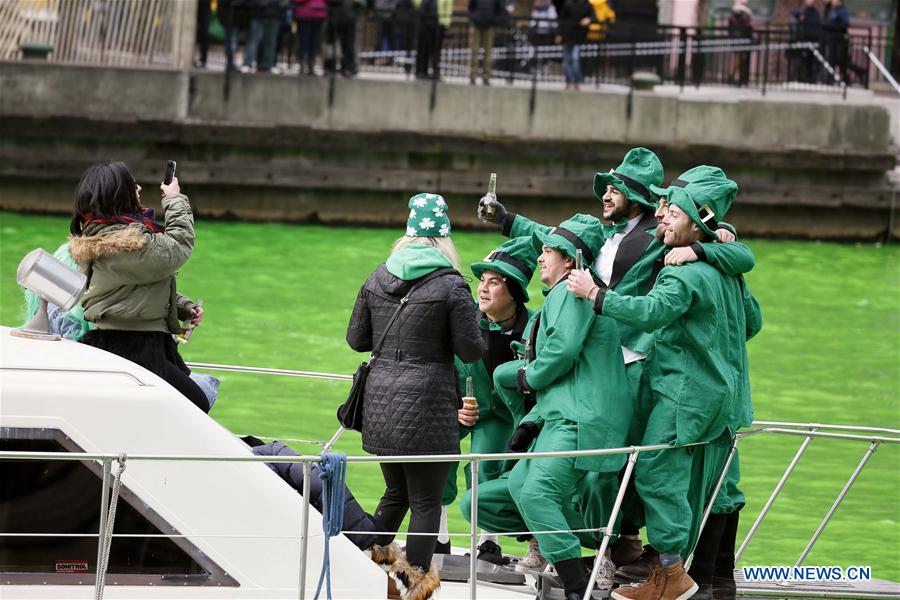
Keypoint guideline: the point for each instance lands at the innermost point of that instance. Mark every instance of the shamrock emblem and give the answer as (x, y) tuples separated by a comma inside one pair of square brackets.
[(438, 211), (411, 232), (426, 223), (412, 214), (444, 230), (419, 202), (440, 202)]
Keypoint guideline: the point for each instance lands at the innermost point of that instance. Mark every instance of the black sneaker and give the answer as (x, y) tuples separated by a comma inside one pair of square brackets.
[(723, 588), (442, 548), (491, 552)]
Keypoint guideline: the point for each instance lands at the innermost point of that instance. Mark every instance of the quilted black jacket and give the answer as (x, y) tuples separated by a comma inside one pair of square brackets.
[(412, 393)]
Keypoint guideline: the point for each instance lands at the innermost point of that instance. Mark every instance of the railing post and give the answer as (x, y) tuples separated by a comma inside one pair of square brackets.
[(304, 528), (473, 528), (607, 533), (837, 502), (712, 499), (682, 56), (775, 492), (104, 510), (765, 63)]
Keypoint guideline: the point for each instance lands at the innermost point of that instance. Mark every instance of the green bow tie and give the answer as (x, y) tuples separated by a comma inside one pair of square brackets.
[(611, 230)]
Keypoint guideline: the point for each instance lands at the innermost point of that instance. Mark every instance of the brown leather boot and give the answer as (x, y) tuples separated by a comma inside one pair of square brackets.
[(625, 551), (665, 583), (638, 570)]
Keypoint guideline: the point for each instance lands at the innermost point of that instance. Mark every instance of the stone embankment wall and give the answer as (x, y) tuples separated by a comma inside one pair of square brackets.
[(298, 149)]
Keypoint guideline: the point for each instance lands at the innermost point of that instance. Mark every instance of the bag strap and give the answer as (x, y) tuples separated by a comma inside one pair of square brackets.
[(403, 301)]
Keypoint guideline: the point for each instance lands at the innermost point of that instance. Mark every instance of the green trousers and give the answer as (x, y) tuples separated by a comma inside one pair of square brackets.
[(642, 398), (587, 508), (675, 484), (540, 488), (730, 498), (489, 436)]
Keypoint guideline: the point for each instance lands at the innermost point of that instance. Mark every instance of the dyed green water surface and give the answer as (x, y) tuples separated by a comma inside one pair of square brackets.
[(281, 295)]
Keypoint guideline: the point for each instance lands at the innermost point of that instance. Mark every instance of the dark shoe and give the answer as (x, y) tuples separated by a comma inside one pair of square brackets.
[(704, 592), (491, 552), (669, 583), (723, 589), (640, 569), (442, 548), (574, 577), (625, 551), (252, 441)]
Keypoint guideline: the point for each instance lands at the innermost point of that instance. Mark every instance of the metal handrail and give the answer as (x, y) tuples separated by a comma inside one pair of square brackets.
[(884, 72)]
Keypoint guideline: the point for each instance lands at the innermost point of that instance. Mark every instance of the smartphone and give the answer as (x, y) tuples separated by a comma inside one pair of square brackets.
[(170, 172)]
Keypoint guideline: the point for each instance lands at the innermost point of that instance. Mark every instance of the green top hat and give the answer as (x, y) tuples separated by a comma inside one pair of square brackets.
[(578, 232), (427, 216), (709, 195), (638, 174), (514, 258)]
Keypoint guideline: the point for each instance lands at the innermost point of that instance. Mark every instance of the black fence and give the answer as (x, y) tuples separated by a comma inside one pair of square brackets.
[(526, 51)]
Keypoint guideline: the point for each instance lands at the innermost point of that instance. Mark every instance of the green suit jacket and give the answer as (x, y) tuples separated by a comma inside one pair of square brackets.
[(700, 357), (578, 374), (639, 259)]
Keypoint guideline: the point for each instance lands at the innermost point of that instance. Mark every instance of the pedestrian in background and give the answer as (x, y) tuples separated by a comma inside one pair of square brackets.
[(837, 22), (574, 21), (484, 16), (807, 23), (341, 28), (420, 309), (434, 20), (740, 28), (262, 37), (310, 16)]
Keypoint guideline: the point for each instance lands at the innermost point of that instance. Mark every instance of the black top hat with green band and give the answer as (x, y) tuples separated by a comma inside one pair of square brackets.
[(636, 177), (711, 194), (515, 259), (578, 232)]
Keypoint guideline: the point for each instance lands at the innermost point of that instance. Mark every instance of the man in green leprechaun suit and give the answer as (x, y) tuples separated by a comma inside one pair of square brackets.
[(502, 294), (628, 260), (697, 377), (713, 564), (577, 379)]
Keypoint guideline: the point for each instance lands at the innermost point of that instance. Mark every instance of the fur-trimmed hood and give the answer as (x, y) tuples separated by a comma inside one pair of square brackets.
[(125, 239)]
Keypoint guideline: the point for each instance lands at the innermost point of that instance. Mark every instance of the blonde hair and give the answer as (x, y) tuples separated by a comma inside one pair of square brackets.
[(443, 244)]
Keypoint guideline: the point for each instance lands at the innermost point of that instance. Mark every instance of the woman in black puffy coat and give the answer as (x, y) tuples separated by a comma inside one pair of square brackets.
[(412, 398)]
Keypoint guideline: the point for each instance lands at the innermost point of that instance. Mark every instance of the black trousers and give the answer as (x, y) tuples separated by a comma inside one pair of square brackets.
[(418, 487)]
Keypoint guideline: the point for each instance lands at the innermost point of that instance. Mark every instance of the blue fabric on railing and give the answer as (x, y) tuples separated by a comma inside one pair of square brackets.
[(332, 472)]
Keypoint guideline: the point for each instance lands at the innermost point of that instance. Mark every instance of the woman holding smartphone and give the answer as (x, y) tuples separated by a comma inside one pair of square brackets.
[(131, 261)]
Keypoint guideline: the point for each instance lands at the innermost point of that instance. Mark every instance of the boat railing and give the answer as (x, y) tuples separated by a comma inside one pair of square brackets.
[(874, 436)]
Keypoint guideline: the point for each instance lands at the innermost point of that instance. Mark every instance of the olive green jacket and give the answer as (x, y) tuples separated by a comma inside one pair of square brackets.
[(131, 271)]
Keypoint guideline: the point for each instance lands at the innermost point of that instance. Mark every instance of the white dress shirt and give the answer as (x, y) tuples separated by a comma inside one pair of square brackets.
[(604, 267)]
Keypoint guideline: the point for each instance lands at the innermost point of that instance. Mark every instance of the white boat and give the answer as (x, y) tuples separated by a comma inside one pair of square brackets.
[(198, 514)]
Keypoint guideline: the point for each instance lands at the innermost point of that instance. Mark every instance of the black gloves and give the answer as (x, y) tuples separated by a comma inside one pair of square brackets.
[(523, 436), (490, 210)]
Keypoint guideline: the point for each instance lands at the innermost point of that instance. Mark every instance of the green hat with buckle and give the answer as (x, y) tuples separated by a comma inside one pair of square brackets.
[(639, 172), (427, 216), (578, 232), (708, 195), (514, 258)]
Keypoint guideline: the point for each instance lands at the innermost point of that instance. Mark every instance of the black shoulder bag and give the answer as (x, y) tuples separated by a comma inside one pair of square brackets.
[(350, 413)]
